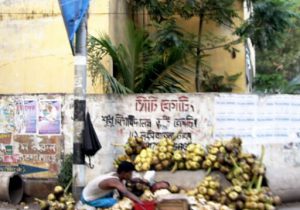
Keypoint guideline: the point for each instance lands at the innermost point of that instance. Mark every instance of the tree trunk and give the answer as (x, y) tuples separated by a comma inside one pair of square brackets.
[(198, 67)]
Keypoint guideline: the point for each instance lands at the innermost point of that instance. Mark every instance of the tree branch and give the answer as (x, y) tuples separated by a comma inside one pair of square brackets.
[(235, 42)]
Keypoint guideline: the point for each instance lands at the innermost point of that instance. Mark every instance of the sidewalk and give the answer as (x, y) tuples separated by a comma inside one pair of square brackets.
[(33, 206), (290, 206), (22, 206)]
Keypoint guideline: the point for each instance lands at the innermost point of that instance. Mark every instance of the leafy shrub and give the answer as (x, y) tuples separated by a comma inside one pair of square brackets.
[(65, 174)]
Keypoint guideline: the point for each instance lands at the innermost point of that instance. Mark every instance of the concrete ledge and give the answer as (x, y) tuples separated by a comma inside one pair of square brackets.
[(187, 179)]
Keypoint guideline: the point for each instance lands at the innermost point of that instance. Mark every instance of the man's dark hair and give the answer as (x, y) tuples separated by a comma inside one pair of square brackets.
[(125, 166)]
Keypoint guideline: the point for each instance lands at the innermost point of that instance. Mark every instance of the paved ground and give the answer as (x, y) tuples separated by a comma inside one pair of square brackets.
[(33, 206), (291, 206)]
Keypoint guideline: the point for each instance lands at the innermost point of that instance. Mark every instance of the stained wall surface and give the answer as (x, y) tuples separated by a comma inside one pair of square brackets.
[(36, 130)]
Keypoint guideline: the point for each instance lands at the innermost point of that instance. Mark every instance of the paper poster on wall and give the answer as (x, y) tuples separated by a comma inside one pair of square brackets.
[(49, 119), (30, 116), (235, 116), (30, 107), (256, 119), (26, 116), (7, 123)]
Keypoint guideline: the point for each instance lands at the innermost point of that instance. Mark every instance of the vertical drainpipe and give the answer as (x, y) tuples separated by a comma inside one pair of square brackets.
[(79, 107)]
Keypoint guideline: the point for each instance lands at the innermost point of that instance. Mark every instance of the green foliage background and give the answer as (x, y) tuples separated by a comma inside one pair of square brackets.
[(278, 61)]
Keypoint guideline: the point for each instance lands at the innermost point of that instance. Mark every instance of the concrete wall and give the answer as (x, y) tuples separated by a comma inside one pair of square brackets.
[(272, 121), (259, 120), (35, 131)]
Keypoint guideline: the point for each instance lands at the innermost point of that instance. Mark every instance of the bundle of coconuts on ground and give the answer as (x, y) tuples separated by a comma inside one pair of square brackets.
[(244, 171), (249, 199), (145, 158), (133, 147), (194, 156), (59, 199), (163, 154)]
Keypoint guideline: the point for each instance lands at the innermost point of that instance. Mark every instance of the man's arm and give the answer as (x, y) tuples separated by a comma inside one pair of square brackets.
[(121, 187)]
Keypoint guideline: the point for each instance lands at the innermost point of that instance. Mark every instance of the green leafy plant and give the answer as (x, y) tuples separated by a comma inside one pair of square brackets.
[(220, 12), (282, 58), (269, 22), (65, 174), (269, 83), (144, 63), (272, 24), (218, 83), (276, 83)]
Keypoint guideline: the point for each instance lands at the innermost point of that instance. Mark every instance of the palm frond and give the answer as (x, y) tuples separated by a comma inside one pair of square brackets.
[(139, 64), (123, 55), (98, 48), (170, 73), (114, 85)]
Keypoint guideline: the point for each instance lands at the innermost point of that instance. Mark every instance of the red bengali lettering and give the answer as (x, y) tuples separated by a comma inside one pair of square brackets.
[(146, 104)]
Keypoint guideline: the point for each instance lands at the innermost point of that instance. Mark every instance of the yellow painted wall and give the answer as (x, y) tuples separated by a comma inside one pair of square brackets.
[(35, 56)]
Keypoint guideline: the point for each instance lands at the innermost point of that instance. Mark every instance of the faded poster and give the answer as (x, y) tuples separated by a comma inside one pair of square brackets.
[(49, 119), (7, 123), (26, 116), (30, 108)]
